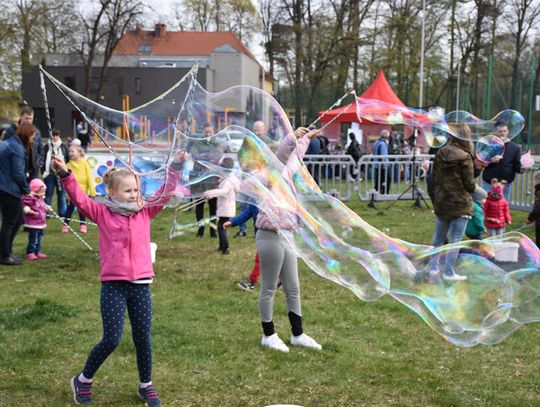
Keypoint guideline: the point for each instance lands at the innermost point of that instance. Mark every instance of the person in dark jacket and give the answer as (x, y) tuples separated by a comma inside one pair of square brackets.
[(534, 215), (453, 186), (35, 155), (13, 185), (507, 167), (383, 177), (210, 150), (55, 148)]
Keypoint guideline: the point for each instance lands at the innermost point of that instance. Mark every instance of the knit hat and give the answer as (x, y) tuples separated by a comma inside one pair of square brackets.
[(36, 184), (479, 194), (76, 142), (497, 190), (227, 162)]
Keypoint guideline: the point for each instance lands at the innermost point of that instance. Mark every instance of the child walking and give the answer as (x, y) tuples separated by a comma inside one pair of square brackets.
[(226, 205), (250, 211), (125, 272), (83, 174), (35, 218), (535, 213), (475, 227), (496, 210)]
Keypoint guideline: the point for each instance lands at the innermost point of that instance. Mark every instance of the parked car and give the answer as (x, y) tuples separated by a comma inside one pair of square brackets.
[(231, 139)]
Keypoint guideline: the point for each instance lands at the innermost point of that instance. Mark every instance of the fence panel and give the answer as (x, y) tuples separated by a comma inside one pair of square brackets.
[(335, 174)]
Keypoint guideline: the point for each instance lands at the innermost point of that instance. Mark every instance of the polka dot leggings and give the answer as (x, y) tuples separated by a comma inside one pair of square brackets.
[(115, 297)]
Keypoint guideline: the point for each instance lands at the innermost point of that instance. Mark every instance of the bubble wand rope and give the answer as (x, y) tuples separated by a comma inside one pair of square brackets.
[(525, 226), (73, 220), (75, 233), (336, 103), (191, 204)]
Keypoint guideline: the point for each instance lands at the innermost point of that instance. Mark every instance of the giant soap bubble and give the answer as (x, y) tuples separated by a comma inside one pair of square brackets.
[(502, 290), (434, 125)]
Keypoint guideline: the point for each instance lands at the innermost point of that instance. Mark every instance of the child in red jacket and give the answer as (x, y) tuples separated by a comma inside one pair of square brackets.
[(496, 210)]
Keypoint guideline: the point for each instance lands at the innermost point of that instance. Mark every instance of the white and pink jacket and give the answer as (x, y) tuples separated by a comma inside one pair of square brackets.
[(271, 217), (226, 196)]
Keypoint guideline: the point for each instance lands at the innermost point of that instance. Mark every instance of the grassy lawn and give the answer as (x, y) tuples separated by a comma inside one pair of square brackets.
[(207, 334)]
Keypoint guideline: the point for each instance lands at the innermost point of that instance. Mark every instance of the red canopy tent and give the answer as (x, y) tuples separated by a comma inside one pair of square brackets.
[(379, 89)]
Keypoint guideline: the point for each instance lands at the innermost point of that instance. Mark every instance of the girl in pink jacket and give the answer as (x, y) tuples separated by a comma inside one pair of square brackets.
[(226, 203), (35, 218), (126, 271)]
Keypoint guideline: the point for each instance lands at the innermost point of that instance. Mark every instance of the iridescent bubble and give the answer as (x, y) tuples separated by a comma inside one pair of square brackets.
[(489, 149), (502, 290)]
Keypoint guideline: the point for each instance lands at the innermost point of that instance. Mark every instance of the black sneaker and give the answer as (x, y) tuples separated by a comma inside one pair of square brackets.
[(10, 261), (225, 251), (149, 396), (82, 392), (246, 285), (240, 234)]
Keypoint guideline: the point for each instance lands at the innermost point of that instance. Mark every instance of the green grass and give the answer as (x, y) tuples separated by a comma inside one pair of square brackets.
[(207, 332)]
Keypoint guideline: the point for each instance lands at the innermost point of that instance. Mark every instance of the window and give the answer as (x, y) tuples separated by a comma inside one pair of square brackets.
[(145, 49), (120, 85), (69, 81), (138, 86)]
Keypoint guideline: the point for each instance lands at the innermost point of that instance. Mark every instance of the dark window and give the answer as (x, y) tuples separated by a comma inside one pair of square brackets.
[(145, 49), (138, 86), (69, 81), (120, 85)]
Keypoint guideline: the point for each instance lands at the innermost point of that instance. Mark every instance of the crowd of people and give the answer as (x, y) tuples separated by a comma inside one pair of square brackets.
[(28, 182), (461, 208)]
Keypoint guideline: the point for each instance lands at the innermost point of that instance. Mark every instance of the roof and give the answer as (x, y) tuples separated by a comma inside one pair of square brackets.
[(379, 89), (176, 43)]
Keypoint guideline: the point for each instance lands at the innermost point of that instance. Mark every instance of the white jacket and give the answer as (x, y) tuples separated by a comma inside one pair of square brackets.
[(226, 195)]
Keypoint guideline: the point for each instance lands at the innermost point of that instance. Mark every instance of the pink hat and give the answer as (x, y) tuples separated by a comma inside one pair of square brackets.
[(36, 184), (497, 190)]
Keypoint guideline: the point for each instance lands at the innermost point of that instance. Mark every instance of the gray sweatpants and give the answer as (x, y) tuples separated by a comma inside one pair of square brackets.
[(278, 262)]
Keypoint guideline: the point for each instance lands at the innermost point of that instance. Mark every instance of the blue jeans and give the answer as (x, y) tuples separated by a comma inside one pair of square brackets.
[(452, 230), (35, 238), (243, 226), (53, 183), (506, 190)]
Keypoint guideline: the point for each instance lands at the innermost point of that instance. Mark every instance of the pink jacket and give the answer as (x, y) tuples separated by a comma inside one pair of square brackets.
[(226, 196), (124, 241), (271, 217), (38, 205)]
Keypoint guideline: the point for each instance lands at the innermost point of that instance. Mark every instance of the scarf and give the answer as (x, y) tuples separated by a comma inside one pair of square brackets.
[(54, 148), (122, 208)]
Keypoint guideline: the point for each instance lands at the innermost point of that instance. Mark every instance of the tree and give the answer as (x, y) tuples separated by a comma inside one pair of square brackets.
[(103, 29), (522, 16)]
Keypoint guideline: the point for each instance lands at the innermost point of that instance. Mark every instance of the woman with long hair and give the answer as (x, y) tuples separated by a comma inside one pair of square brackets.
[(13, 185)]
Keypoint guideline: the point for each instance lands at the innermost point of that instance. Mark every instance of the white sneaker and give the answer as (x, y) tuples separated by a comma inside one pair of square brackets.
[(305, 341), (454, 277), (274, 342)]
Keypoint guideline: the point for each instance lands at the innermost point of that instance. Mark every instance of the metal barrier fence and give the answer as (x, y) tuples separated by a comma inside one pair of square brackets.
[(335, 174), (376, 178)]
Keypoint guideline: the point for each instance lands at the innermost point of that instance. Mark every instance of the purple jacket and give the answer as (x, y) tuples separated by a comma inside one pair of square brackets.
[(38, 205), (274, 218)]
